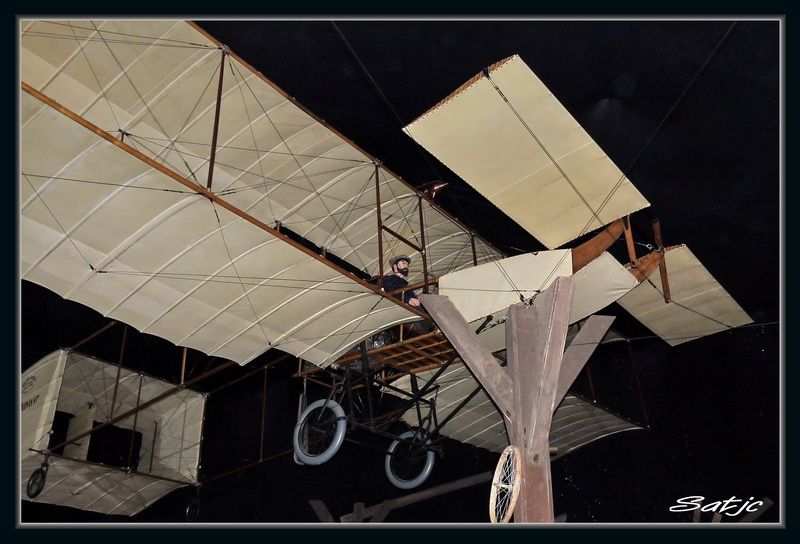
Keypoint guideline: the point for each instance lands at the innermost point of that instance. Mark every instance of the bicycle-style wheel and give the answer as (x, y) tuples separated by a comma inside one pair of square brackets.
[(36, 482), (409, 462), (505, 486), (319, 432)]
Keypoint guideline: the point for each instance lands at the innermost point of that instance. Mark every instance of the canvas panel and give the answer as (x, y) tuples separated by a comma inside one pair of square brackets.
[(512, 140), (700, 305)]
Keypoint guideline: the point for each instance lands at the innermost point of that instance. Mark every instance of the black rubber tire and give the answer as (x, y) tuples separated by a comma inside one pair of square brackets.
[(192, 512), (36, 483)]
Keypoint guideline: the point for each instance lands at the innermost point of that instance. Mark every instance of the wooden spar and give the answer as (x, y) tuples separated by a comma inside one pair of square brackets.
[(183, 365), (629, 239), (662, 266), (484, 366), (591, 384), (378, 210), (119, 369), (474, 253), (211, 196), (215, 132), (579, 351), (593, 248), (241, 468), (422, 243), (321, 121), (644, 266), (153, 444), (95, 334), (135, 420), (402, 238)]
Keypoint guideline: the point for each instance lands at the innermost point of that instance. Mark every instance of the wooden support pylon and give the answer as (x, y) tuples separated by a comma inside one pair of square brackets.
[(536, 378)]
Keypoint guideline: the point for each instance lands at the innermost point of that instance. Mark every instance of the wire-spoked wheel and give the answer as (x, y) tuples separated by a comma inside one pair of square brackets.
[(319, 432), (409, 461), (505, 485)]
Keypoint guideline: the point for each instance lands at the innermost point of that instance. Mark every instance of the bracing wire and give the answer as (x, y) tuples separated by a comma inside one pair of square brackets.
[(58, 223), (94, 74), (233, 264), (255, 149), (286, 145), (255, 144), (636, 158), (152, 40), (130, 81), (119, 185), (172, 141)]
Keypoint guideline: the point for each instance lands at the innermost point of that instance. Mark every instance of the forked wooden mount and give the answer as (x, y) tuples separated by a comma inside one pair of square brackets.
[(536, 377)]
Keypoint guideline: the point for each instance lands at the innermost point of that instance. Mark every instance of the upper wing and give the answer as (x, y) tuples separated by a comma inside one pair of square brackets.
[(506, 135), (105, 223)]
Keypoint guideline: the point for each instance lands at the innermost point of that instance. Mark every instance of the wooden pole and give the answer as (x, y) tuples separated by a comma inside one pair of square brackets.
[(216, 122), (119, 369), (380, 224), (626, 221), (183, 365), (662, 266), (95, 334), (529, 388), (422, 239), (535, 339), (135, 419)]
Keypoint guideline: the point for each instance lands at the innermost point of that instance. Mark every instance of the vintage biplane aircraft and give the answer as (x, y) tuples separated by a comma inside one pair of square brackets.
[(169, 185)]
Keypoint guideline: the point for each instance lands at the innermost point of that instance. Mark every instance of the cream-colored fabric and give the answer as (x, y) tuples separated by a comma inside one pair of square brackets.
[(511, 139), (578, 422), (95, 487), (161, 263), (489, 289), (171, 428), (700, 305), (85, 388), (483, 290), (598, 284), (173, 264), (575, 422), (40, 385), (274, 160)]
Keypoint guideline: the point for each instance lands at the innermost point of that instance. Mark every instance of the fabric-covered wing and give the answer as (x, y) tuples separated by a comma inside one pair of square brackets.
[(84, 388), (489, 289), (700, 305), (156, 82), (575, 422), (172, 263), (96, 488), (508, 136)]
